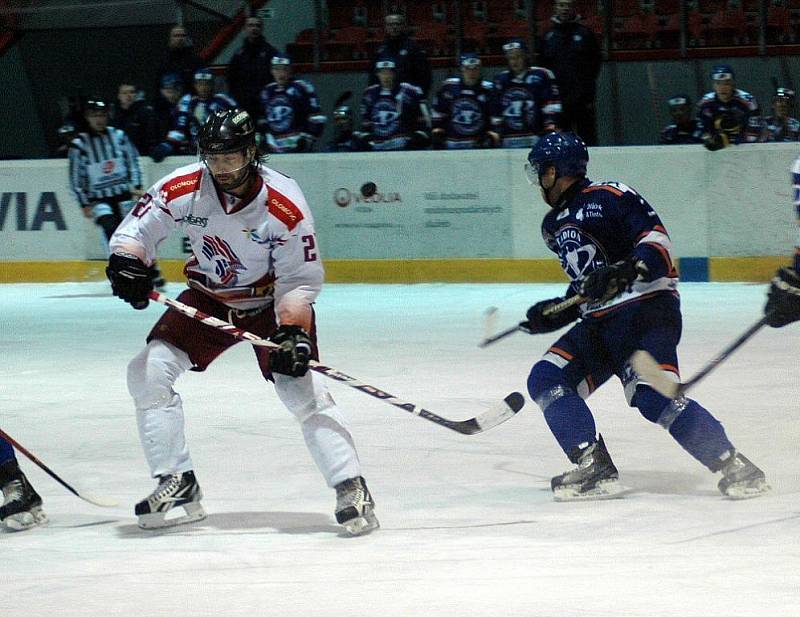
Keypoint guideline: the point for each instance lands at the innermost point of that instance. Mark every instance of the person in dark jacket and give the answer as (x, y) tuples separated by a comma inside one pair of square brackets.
[(572, 52), (180, 59), (413, 66), (132, 114), (249, 68)]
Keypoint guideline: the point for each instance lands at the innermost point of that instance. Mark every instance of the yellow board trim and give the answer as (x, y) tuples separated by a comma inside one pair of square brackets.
[(744, 269), (725, 269)]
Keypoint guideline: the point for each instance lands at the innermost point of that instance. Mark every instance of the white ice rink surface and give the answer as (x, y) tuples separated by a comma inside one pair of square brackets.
[(469, 527)]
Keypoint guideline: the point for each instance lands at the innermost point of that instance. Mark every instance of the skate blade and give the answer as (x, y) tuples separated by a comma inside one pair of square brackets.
[(604, 490), (26, 520), (158, 520), (362, 525), (745, 491)]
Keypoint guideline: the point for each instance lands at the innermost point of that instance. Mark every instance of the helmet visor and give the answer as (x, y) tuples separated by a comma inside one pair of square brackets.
[(532, 173)]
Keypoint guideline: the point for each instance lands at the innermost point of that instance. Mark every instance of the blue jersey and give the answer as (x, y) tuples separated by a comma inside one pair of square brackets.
[(291, 114), (463, 112), (390, 116), (193, 112), (686, 134), (776, 129), (525, 106), (741, 111), (602, 223), (796, 199)]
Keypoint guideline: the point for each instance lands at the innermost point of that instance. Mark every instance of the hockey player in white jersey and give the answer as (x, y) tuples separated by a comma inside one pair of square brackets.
[(255, 263)]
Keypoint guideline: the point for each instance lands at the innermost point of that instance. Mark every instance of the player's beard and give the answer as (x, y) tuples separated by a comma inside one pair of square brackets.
[(232, 180)]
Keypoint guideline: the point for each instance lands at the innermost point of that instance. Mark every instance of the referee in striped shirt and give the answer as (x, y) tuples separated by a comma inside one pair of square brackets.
[(104, 172)]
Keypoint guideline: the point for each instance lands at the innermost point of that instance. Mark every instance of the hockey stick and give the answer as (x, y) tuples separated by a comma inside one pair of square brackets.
[(497, 414), (490, 315), (647, 367), (103, 502)]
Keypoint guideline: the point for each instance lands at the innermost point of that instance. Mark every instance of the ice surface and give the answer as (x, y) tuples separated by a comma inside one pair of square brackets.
[(469, 524)]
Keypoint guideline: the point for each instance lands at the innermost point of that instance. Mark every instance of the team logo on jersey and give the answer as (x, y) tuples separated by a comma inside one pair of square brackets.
[(280, 114), (108, 166), (385, 118), (270, 240), (578, 253), (466, 116), (227, 264), (518, 109), (199, 221)]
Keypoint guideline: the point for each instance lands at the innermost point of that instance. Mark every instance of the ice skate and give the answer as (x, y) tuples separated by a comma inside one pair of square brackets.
[(595, 477), (172, 491), (741, 479), (355, 509), (22, 506)]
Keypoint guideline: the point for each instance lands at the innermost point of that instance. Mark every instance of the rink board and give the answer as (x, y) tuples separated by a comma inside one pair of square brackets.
[(444, 216)]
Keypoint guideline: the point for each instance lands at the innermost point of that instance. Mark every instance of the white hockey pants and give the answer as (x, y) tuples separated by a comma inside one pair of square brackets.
[(159, 414)]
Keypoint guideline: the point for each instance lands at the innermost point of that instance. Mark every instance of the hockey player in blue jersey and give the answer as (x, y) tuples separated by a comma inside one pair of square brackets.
[(783, 300), (729, 115), (526, 102), (685, 128), (22, 506), (394, 115), (781, 125), (617, 253), (461, 110), (293, 120)]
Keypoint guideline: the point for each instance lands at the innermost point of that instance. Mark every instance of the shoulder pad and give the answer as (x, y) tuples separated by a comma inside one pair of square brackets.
[(283, 208), (180, 185)]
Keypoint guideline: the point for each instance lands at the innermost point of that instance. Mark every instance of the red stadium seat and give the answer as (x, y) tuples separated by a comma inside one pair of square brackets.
[(779, 28), (637, 32), (728, 28), (346, 44), (434, 37), (475, 36)]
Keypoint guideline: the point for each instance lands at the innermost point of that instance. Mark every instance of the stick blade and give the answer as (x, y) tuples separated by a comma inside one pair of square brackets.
[(647, 368), (499, 413)]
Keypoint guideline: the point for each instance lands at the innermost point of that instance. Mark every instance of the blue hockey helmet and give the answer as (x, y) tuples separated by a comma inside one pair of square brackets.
[(721, 72), (564, 151)]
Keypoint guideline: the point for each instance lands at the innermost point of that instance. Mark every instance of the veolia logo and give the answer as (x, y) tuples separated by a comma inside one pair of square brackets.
[(47, 211), (344, 197)]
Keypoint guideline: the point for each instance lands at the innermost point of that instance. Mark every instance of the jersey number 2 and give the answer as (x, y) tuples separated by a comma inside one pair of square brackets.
[(309, 244)]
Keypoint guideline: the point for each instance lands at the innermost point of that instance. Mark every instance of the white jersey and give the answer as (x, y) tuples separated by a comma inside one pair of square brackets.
[(245, 252)]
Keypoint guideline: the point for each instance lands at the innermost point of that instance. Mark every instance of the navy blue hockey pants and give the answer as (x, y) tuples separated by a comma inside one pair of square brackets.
[(590, 352)]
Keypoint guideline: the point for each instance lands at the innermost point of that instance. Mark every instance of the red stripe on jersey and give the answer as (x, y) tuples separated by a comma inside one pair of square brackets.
[(282, 208), (181, 185), (561, 352), (670, 368), (610, 189)]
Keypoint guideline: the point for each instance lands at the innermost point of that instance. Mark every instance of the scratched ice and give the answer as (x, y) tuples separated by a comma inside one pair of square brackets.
[(469, 525)]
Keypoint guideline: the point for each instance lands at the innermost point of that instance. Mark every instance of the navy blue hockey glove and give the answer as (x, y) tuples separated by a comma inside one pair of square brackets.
[(609, 281), (161, 151), (783, 299), (131, 280), (539, 323), (294, 354)]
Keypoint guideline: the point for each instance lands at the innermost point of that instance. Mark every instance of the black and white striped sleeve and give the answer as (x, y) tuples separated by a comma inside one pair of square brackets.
[(77, 171)]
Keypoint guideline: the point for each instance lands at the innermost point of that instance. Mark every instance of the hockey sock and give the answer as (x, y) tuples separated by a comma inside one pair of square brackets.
[(691, 425), (566, 413), (6, 451), (700, 434)]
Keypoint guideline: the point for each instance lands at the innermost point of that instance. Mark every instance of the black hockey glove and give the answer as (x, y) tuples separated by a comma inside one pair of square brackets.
[(539, 323), (131, 280), (715, 141), (783, 299), (605, 283), (294, 354)]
